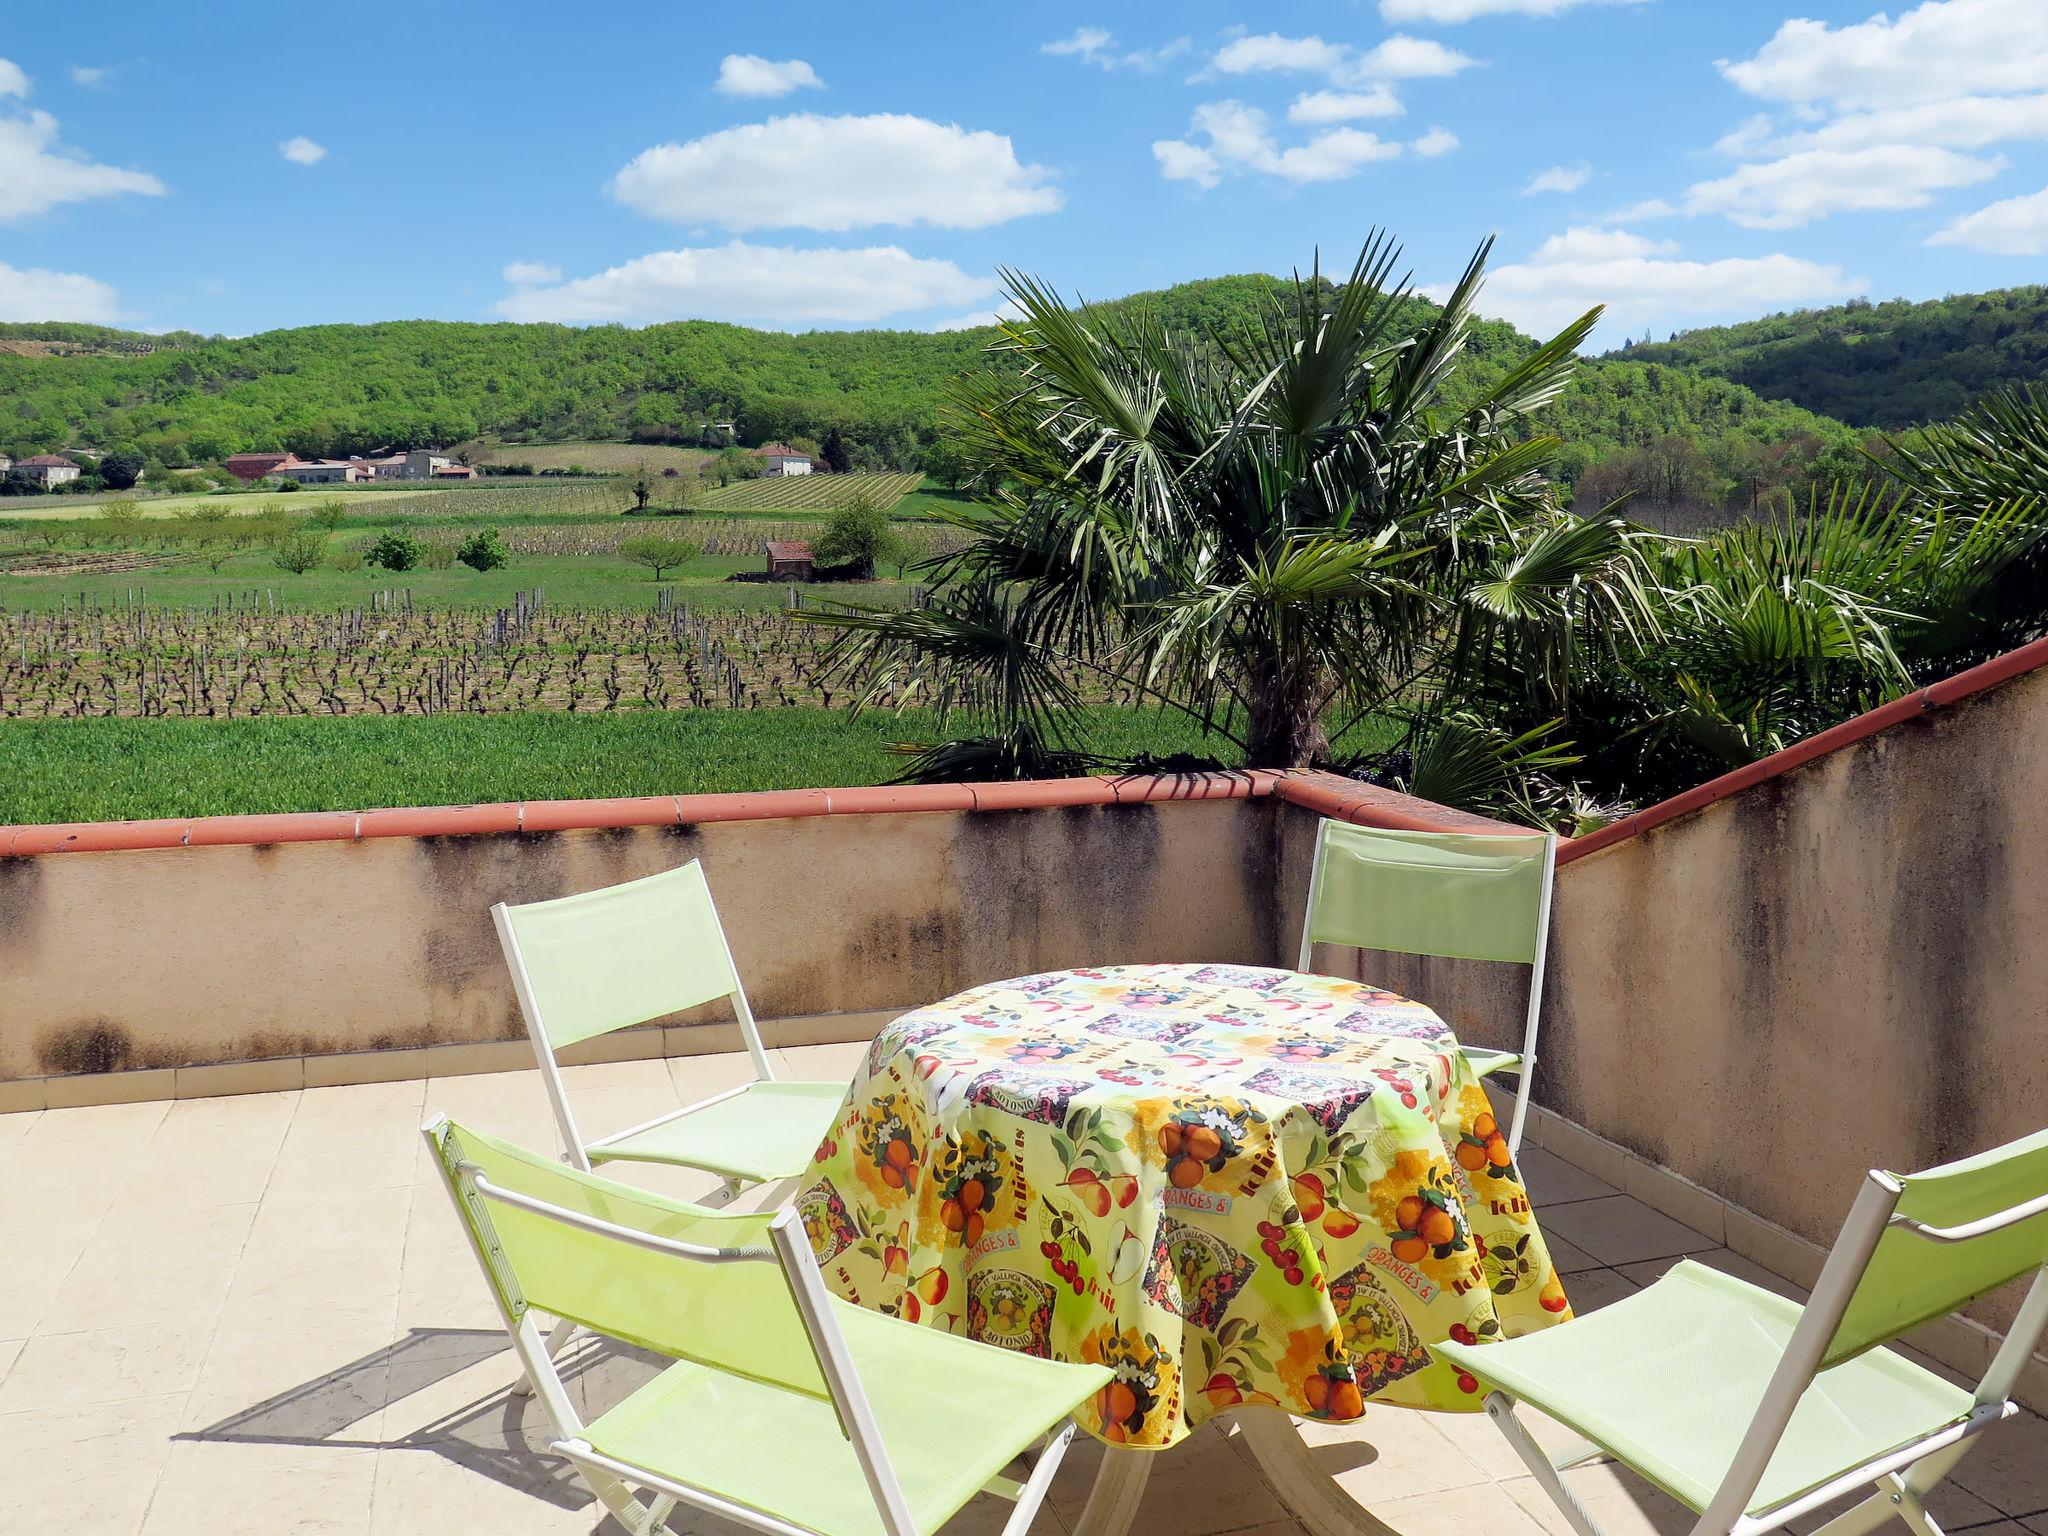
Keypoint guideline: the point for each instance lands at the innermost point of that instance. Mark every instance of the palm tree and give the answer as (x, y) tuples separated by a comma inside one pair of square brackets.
[(1279, 532)]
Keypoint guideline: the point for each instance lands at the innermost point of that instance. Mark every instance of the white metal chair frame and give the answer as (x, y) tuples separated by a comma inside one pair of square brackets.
[(1902, 1478), (1525, 1070), (609, 1478)]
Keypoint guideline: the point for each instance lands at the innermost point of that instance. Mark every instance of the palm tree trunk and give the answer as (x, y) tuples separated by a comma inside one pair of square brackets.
[(1285, 729)]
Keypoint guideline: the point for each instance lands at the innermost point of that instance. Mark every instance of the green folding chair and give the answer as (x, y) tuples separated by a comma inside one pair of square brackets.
[(787, 1410), (1459, 895), (586, 965), (1751, 1410)]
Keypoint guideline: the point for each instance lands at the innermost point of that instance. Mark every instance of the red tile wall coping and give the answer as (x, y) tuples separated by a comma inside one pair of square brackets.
[(1913, 706), (1326, 793)]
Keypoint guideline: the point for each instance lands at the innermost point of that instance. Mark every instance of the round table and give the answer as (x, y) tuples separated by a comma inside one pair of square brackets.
[(1232, 1185)]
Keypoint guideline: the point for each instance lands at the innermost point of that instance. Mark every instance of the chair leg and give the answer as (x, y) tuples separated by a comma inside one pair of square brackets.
[(1309, 1493), (1501, 1409), (1031, 1495), (559, 1339)]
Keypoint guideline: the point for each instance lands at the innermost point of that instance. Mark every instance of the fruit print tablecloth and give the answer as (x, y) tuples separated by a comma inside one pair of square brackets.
[(1228, 1184)]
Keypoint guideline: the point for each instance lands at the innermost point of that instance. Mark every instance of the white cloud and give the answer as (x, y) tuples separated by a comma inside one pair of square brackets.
[(1240, 139), (1444, 12), (89, 75), (37, 172), (529, 274), (1398, 58), (38, 295), (1343, 106), (1809, 185), (2017, 226), (1933, 52), (810, 172), (748, 74), (1644, 283), (1648, 208), (1095, 45), (13, 80), (301, 150), (1967, 122), (1559, 178), (1438, 141), (775, 285)]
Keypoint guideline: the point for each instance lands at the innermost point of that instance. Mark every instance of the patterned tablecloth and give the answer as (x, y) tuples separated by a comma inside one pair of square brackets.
[(1229, 1184)]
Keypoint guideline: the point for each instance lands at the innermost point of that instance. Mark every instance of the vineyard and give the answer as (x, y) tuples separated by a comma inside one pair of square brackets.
[(602, 458), (249, 659), (810, 493)]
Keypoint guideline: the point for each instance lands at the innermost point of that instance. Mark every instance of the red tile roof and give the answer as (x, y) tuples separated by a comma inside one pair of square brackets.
[(782, 451), (788, 549), (46, 461)]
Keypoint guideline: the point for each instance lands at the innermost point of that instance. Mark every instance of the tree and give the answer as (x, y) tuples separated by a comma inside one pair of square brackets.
[(329, 514), (121, 470), (1278, 532), (833, 452), (858, 534), (483, 550), (659, 552), (298, 550), (394, 552), (641, 484)]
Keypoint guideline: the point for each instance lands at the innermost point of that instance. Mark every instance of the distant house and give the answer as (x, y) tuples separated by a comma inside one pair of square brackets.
[(788, 560), (50, 468), (780, 459), (254, 466), (5, 463), (411, 464), (454, 472), (319, 471)]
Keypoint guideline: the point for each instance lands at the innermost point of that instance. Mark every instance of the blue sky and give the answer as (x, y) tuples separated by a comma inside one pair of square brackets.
[(236, 167)]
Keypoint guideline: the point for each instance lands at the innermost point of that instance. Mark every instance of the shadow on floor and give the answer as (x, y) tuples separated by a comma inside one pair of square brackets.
[(499, 1434)]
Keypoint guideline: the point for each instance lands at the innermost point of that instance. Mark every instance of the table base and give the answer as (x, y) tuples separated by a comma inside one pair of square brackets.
[(1311, 1495)]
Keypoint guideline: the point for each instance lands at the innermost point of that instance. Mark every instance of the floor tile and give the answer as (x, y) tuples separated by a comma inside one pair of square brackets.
[(262, 1490), (1487, 1507), (1551, 1180), (2009, 1467), (144, 1264), (1619, 1230), (1568, 1258), (1200, 1487), (58, 1371), (108, 1124), (1392, 1453), (1594, 1289), (9, 1349), (85, 1472)]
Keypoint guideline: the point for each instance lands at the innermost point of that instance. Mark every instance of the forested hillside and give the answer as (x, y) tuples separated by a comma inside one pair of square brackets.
[(349, 388), (1890, 365)]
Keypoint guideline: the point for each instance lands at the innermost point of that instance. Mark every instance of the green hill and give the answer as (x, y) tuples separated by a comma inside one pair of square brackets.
[(348, 388), (1890, 365)]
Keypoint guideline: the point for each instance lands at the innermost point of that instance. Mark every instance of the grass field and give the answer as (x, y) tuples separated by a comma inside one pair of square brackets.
[(105, 770), (810, 493), (43, 508), (606, 458)]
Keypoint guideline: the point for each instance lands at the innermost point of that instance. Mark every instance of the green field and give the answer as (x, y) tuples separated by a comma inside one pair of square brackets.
[(605, 458), (44, 508), (810, 493), (102, 770)]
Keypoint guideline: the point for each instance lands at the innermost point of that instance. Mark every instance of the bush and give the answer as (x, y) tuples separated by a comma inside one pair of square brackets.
[(348, 558), (298, 550), (289, 485), (435, 555), (659, 552), (329, 514), (121, 470), (482, 550), (859, 535), (395, 552)]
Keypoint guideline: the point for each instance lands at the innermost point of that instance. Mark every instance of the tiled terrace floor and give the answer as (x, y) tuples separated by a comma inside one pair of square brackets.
[(254, 1315)]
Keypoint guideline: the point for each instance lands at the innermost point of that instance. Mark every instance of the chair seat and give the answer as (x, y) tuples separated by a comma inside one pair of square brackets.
[(1485, 1063), (768, 1130), (952, 1413), (1668, 1379)]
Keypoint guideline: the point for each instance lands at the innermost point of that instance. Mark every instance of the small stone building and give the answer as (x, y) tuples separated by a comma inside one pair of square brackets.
[(788, 560)]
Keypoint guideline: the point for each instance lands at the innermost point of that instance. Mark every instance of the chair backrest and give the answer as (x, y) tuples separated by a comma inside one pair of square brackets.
[(1460, 895), (611, 958), (1955, 1233), (732, 1316)]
